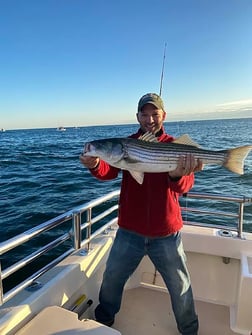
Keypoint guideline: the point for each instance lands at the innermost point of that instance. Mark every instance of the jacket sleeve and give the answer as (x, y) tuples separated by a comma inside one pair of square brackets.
[(104, 171), (183, 185)]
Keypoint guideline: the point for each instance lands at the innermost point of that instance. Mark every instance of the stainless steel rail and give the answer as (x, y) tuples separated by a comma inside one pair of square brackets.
[(75, 234), (241, 201)]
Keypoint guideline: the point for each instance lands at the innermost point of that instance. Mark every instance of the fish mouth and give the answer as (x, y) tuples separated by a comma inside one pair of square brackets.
[(87, 148)]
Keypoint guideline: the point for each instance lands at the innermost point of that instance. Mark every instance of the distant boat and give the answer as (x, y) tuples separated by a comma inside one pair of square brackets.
[(61, 129), (2, 130)]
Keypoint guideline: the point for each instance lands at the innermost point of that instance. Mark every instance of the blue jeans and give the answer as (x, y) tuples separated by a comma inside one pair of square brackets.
[(167, 255)]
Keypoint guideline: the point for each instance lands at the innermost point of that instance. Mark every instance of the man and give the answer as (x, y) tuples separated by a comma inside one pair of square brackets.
[(149, 224)]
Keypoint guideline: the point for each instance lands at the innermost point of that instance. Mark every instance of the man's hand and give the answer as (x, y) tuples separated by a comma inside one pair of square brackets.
[(186, 165), (90, 162)]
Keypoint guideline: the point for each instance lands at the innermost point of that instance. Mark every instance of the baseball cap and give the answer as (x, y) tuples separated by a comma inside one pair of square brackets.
[(150, 98)]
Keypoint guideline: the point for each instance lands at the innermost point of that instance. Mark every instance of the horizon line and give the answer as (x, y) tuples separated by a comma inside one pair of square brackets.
[(122, 124)]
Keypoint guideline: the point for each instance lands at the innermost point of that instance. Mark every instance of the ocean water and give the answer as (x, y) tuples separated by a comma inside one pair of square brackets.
[(41, 176)]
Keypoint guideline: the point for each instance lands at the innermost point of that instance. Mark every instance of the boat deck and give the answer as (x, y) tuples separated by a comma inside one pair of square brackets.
[(147, 311)]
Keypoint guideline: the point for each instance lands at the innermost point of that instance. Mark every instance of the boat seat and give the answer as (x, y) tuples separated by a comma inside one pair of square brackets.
[(55, 320)]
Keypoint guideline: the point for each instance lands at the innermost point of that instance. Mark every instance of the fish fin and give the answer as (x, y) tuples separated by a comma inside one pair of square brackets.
[(138, 176), (148, 137), (236, 157), (186, 139)]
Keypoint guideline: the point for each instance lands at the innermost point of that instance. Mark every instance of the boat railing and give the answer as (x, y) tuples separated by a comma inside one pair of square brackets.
[(79, 228), (237, 214)]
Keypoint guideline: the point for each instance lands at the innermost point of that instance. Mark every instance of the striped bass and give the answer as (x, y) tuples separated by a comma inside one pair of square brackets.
[(146, 154)]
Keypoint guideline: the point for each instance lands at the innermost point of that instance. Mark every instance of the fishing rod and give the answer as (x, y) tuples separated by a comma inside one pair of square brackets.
[(160, 92), (162, 72)]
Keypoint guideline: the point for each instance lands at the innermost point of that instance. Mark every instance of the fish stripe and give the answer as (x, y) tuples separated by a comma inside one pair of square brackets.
[(163, 154)]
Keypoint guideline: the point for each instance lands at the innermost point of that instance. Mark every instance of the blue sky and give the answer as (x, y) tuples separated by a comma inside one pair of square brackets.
[(78, 62)]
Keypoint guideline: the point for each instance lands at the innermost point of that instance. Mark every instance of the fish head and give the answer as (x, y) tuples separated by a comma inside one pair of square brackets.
[(109, 150)]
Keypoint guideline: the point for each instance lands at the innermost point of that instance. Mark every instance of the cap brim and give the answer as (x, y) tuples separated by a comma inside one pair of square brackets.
[(149, 102)]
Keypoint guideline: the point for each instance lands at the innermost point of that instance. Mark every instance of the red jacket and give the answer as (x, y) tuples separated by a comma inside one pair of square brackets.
[(151, 209)]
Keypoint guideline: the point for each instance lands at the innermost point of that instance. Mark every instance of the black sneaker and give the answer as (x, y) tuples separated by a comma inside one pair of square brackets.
[(107, 323)]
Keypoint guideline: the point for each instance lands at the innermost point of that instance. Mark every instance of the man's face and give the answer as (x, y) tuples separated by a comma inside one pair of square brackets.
[(151, 118)]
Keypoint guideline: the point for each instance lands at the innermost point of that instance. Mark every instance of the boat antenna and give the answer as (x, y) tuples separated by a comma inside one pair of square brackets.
[(162, 73)]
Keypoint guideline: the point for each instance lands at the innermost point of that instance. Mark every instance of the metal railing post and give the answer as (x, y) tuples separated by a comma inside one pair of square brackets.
[(1, 286), (77, 230), (240, 219), (89, 221)]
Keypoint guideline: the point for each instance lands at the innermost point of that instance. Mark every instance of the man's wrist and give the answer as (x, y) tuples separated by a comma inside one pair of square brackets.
[(174, 178)]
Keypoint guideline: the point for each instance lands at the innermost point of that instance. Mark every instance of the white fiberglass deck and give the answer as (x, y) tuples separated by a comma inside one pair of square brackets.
[(148, 312)]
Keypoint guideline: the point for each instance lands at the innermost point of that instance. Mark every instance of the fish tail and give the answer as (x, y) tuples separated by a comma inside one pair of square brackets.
[(235, 158)]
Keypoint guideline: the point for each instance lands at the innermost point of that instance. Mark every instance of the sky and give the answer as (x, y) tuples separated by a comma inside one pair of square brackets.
[(79, 62)]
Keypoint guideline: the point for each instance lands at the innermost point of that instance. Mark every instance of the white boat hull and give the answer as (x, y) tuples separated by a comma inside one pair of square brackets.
[(221, 274)]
